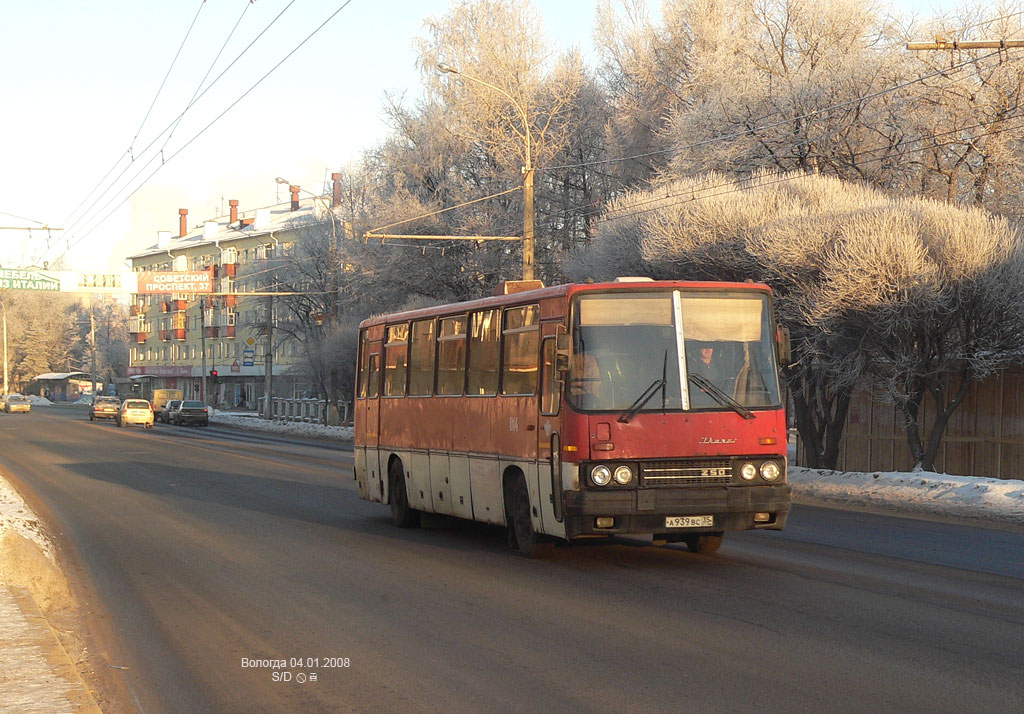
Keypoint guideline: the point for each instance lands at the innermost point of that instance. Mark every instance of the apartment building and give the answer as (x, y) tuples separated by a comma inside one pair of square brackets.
[(220, 329)]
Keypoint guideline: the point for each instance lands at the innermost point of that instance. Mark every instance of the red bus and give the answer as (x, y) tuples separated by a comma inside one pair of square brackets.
[(575, 411)]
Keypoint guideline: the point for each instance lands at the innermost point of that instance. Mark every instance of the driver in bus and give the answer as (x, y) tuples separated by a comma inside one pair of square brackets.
[(703, 361)]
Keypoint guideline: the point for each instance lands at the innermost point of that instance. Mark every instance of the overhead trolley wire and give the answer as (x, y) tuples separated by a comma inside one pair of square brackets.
[(70, 245), (170, 126)]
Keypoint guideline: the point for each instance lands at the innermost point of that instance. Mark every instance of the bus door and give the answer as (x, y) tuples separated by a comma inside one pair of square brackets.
[(549, 427), (370, 362)]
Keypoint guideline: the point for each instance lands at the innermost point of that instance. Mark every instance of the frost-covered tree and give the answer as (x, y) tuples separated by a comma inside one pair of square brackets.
[(916, 295)]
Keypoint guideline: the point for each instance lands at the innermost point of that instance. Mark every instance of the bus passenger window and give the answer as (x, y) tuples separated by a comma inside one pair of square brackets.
[(373, 377), (395, 358), (451, 356), (484, 343), (364, 362), (522, 337), (421, 359)]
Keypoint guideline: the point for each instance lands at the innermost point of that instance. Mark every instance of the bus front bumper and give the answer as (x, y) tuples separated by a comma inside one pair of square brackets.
[(657, 511)]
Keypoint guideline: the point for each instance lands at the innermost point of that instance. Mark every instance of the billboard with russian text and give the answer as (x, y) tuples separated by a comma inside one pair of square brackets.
[(193, 281)]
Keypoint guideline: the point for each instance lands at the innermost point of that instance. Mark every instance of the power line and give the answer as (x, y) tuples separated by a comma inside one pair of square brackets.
[(204, 129), (160, 89), (172, 124)]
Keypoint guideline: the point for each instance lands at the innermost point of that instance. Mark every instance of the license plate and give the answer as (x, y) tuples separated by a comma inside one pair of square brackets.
[(689, 521)]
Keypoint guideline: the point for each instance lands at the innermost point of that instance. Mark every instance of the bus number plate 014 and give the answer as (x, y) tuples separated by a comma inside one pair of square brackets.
[(689, 521)]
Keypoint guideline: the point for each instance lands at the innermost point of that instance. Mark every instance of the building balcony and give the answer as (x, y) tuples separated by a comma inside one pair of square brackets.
[(229, 331), (165, 335), (178, 333), (138, 337), (212, 332), (136, 310), (230, 301), (227, 270), (179, 305), (165, 306)]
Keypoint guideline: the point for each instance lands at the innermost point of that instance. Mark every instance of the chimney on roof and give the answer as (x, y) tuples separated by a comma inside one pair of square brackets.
[(295, 196), (182, 222), (336, 200), (234, 210)]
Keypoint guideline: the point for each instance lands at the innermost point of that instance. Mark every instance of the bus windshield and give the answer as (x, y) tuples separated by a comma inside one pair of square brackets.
[(672, 350)]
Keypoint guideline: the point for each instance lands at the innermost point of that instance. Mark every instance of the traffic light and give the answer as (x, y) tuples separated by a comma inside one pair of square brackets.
[(213, 373)]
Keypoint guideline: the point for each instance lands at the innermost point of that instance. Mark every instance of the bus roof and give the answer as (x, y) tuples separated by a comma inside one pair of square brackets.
[(565, 290)]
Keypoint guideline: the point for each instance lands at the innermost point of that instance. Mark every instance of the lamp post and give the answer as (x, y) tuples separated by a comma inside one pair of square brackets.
[(528, 213), (4, 306)]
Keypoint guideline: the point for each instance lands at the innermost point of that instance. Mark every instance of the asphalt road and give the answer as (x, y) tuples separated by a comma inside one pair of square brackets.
[(206, 552)]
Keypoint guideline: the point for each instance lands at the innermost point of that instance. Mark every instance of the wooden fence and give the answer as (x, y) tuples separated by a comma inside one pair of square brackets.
[(984, 436)]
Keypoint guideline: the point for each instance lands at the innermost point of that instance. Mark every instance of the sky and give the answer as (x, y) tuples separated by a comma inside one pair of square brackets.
[(89, 94)]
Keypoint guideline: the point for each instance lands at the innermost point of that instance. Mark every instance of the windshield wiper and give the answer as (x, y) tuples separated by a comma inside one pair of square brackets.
[(719, 396), (641, 400), (648, 393)]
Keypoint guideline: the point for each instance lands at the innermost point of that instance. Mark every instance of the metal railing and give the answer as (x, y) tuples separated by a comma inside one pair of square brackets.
[(312, 411)]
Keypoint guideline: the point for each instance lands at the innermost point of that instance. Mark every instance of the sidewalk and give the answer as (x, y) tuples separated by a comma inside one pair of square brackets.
[(37, 675)]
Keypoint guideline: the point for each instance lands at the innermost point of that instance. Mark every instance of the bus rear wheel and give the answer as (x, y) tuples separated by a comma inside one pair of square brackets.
[(521, 535), (703, 543), (402, 514)]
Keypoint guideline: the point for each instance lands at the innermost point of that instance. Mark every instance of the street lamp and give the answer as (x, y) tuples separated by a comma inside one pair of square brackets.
[(4, 306), (528, 215)]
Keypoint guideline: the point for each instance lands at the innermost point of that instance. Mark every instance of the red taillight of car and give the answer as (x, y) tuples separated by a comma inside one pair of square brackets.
[(206, 411)]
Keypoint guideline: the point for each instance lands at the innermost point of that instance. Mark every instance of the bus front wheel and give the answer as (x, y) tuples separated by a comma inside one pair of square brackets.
[(402, 514), (703, 543), (521, 535)]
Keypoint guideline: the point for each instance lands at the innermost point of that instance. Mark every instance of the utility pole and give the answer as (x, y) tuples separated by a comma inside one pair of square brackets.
[(268, 362), (202, 342), (92, 334), (4, 306)]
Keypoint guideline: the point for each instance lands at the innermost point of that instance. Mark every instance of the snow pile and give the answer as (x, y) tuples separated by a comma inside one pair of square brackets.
[(15, 515), (83, 402), (38, 401), (924, 493), (292, 428)]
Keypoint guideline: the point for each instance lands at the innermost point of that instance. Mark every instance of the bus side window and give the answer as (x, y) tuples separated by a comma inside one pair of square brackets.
[(451, 356), (364, 363), (421, 359), (396, 354), (549, 396), (521, 336), (484, 352), (373, 377)]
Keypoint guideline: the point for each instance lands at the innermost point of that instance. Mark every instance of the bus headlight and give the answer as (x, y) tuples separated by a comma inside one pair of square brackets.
[(601, 475), (770, 471), (748, 471), (623, 475)]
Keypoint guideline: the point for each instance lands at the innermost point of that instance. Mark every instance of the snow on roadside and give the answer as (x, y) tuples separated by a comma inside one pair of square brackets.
[(15, 515), (924, 493), (292, 428), (38, 401)]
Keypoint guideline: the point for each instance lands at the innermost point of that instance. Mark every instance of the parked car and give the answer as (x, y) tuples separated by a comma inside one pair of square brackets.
[(135, 411), (166, 415), (17, 403), (104, 408), (160, 399), (192, 412)]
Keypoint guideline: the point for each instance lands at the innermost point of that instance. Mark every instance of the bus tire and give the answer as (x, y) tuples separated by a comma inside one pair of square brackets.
[(521, 535), (703, 543), (402, 515)]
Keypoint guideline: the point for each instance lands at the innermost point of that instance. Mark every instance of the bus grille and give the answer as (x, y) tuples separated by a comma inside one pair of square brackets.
[(685, 473)]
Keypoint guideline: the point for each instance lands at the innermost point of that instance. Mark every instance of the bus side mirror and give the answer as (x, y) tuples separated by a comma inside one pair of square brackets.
[(785, 350), (562, 348)]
